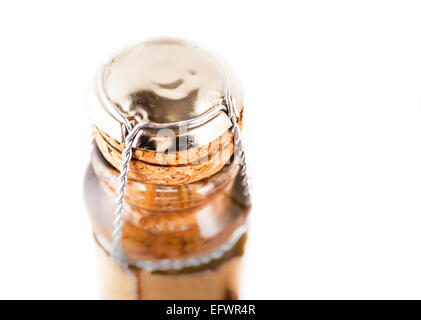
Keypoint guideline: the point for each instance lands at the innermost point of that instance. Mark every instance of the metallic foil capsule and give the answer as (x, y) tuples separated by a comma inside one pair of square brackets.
[(166, 83)]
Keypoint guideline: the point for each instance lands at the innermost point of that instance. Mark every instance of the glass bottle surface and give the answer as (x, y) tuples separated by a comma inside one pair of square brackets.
[(200, 223)]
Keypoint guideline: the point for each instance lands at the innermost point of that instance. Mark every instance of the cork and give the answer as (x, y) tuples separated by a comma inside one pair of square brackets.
[(177, 168)]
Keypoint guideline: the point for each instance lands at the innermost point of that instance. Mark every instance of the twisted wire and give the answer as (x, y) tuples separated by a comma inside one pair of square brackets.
[(178, 264), (117, 252), (238, 147)]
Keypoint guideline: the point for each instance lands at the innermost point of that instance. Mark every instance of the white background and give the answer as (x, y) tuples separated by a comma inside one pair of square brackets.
[(332, 129)]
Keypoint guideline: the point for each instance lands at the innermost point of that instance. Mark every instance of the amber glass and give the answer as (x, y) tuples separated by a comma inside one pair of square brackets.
[(175, 223)]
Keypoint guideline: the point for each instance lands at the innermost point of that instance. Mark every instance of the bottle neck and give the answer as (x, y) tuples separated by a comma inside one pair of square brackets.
[(166, 198)]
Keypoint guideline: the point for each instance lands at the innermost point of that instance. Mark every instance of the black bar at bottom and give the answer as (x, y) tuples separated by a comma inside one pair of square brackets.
[(203, 309)]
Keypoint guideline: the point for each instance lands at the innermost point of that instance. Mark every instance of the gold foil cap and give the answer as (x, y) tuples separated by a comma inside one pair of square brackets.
[(167, 84), (164, 81)]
